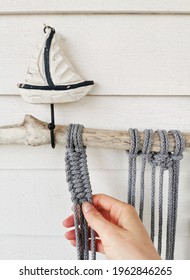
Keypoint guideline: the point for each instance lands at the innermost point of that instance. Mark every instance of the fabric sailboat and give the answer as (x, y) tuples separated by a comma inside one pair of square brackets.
[(51, 78)]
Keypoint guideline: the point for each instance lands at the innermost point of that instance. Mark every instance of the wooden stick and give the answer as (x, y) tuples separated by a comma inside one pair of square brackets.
[(35, 132)]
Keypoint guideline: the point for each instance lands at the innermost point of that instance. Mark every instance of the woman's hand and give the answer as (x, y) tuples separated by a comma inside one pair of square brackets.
[(120, 233)]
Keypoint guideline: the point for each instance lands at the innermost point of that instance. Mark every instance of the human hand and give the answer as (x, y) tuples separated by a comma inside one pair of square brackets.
[(120, 233)]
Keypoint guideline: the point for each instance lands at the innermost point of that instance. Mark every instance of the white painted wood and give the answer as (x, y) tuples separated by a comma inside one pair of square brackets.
[(35, 202), (45, 158), (61, 71), (57, 248), (91, 6), (142, 55)]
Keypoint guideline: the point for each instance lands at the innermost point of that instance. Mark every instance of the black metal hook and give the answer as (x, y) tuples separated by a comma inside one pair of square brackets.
[(51, 126)]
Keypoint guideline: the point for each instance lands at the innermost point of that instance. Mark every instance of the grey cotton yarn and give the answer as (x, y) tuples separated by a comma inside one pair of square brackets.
[(161, 159), (146, 150), (164, 160), (133, 153), (173, 190), (80, 188)]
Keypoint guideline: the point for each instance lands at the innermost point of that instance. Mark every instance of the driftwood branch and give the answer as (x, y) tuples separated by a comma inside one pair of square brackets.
[(34, 132)]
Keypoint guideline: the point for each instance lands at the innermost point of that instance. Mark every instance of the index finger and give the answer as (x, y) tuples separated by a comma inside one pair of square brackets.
[(121, 213)]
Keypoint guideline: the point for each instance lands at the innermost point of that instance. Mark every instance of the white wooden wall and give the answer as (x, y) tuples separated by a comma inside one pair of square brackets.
[(138, 53)]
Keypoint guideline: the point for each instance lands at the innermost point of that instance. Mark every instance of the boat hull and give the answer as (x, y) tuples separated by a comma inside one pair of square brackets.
[(54, 96)]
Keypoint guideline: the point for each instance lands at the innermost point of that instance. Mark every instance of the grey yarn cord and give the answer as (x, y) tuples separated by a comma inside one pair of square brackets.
[(146, 149), (176, 156), (133, 153), (163, 162), (80, 188), (160, 159), (171, 162)]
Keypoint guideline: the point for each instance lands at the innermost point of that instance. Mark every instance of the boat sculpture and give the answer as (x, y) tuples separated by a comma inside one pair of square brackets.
[(51, 78)]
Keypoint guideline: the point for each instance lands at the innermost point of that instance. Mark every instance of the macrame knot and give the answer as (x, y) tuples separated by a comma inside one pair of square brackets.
[(80, 188), (76, 167), (176, 157), (157, 159)]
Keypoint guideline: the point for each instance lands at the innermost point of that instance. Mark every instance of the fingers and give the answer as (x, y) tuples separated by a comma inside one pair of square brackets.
[(69, 222), (121, 213), (95, 220), (108, 212)]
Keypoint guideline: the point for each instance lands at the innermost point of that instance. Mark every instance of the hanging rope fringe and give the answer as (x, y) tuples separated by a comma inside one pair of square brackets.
[(159, 159), (176, 156), (133, 153), (80, 189), (146, 149), (165, 161)]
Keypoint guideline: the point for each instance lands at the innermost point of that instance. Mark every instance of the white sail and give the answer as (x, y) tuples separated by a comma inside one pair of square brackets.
[(62, 72), (35, 74)]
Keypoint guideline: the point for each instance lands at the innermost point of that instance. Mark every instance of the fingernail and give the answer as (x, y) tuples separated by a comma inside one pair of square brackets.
[(87, 207)]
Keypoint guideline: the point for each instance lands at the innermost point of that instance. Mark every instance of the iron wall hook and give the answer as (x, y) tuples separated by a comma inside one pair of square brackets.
[(51, 126)]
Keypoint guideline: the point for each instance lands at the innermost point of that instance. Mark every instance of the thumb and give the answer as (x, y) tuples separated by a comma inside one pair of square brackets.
[(95, 219)]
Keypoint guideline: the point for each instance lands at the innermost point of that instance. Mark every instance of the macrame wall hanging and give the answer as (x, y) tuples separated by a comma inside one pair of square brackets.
[(51, 79), (80, 188)]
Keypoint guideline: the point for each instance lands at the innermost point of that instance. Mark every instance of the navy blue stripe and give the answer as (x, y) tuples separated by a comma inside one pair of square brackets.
[(46, 58), (59, 87)]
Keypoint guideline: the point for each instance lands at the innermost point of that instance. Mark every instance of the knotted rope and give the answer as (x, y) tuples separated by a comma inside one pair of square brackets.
[(161, 159), (80, 188), (146, 149), (133, 153), (176, 156), (171, 162)]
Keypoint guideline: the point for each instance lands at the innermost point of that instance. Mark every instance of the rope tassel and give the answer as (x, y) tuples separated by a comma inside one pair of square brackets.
[(80, 188)]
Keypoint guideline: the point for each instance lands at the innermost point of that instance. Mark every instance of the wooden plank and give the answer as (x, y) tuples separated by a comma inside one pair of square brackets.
[(58, 248), (91, 6), (142, 55), (36, 202)]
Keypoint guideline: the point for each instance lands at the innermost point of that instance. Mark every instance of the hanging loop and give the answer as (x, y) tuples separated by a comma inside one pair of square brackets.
[(47, 27)]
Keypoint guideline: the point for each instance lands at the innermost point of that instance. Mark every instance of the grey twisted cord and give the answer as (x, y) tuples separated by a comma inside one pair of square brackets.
[(146, 149), (80, 188), (176, 159), (158, 159), (174, 169), (164, 165), (153, 193), (133, 153)]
